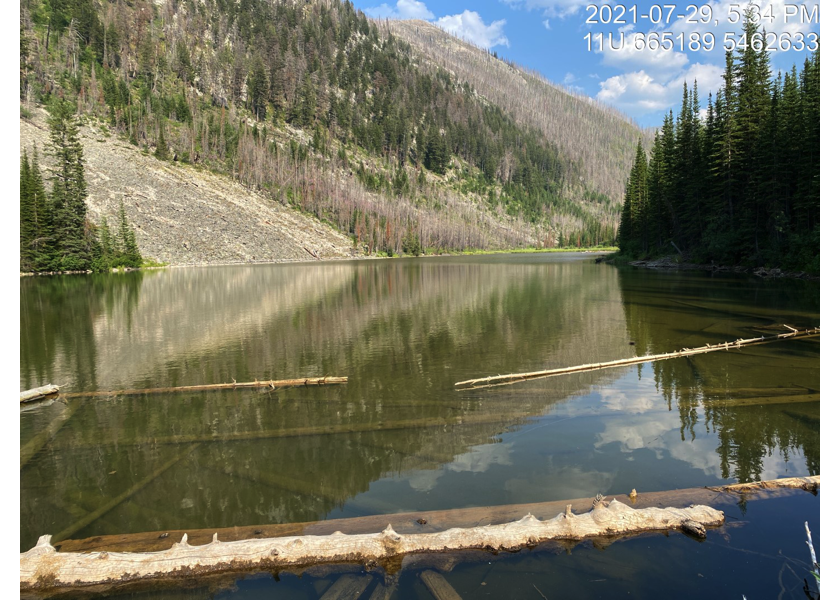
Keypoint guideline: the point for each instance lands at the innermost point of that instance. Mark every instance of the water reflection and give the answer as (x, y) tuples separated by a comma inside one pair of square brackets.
[(397, 437), (753, 408)]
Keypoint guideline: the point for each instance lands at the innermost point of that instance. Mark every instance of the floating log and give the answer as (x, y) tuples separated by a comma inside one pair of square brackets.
[(235, 385), (43, 567), (811, 484), (38, 393), (736, 345), (432, 521)]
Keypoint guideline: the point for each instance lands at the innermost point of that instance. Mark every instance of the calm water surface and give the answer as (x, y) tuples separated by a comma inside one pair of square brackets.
[(398, 437)]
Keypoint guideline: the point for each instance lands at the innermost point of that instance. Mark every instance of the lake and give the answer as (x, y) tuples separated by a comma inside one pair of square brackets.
[(399, 437)]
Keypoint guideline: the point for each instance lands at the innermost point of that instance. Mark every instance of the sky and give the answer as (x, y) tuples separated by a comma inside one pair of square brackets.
[(550, 37)]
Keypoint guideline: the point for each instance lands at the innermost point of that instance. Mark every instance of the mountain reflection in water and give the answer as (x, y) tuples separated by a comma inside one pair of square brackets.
[(398, 436)]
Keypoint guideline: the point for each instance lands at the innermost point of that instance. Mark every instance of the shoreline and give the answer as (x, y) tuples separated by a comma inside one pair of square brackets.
[(668, 263), (334, 259)]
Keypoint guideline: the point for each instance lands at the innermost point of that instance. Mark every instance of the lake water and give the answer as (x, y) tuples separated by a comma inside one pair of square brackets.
[(399, 437)]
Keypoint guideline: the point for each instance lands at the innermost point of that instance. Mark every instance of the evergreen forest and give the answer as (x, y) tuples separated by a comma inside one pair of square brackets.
[(740, 185), (55, 234)]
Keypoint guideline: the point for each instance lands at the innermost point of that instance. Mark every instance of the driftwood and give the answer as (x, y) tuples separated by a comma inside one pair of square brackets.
[(348, 587), (811, 484), (300, 546), (43, 567), (235, 385), (38, 393), (430, 521), (736, 345)]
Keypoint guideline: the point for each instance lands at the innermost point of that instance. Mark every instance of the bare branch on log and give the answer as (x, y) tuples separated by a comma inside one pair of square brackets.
[(736, 345)]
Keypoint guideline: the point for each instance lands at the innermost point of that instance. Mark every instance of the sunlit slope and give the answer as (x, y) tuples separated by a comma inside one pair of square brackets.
[(599, 140), (186, 215)]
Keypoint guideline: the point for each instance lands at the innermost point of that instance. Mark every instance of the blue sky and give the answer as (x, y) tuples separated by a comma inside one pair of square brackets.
[(548, 36)]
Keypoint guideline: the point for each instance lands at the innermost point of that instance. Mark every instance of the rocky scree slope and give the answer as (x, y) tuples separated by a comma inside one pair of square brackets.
[(184, 215)]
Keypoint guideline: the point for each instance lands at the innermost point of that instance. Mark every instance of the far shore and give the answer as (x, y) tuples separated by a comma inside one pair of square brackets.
[(157, 266)]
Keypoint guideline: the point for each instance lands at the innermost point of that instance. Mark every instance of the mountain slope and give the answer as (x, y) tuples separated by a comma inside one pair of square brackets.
[(182, 215), (600, 140), (314, 107)]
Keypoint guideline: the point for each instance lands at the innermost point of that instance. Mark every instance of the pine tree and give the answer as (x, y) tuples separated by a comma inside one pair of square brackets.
[(161, 149), (258, 88), (69, 188), (28, 228), (44, 243), (129, 255)]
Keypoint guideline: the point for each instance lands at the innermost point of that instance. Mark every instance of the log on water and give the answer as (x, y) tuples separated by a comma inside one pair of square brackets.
[(43, 567), (39, 392), (432, 521), (48, 571), (235, 385), (637, 360)]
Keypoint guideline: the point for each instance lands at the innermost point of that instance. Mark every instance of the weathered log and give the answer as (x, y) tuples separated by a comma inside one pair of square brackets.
[(736, 345), (348, 587), (438, 586), (44, 568), (811, 484), (39, 392), (235, 385), (424, 521)]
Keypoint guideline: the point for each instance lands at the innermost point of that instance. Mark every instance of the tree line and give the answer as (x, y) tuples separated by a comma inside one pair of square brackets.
[(198, 81), (55, 234), (740, 185)]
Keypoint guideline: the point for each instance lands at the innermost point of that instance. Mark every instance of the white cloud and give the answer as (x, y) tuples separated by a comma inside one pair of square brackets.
[(569, 79), (470, 26), (640, 93), (404, 9), (550, 8), (547, 24), (657, 62)]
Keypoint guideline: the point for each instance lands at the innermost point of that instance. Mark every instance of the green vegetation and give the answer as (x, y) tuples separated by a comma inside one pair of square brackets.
[(741, 186), (55, 234), (287, 97)]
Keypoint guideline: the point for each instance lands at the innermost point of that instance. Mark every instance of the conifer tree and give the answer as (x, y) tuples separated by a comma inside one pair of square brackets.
[(44, 243), (129, 255), (69, 188), (28, 227)]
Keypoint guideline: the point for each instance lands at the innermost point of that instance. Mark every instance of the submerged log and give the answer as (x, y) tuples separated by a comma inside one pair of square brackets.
[(114, 502), (43, 437), (38, 393), (438, 586), (43, 568), (235, 385), (736, 345)]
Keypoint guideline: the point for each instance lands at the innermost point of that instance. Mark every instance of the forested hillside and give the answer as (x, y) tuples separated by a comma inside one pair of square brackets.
[(740, 185), (312, 105), (599, 141)]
